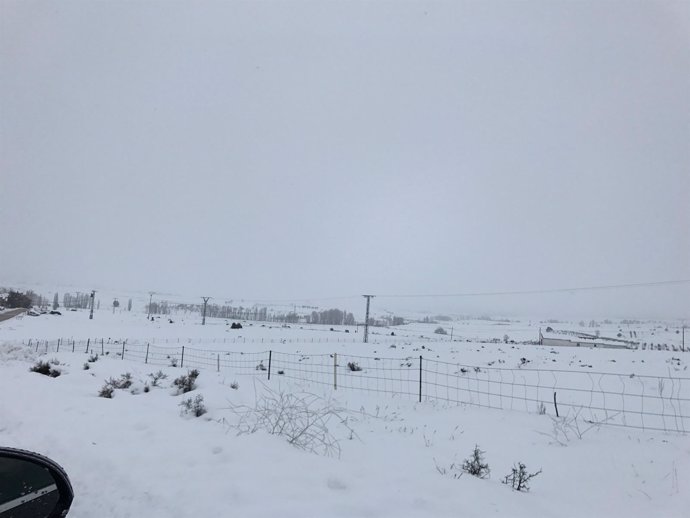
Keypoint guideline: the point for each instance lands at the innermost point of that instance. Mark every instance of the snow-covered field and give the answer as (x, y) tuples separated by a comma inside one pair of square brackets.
[(136, 455)]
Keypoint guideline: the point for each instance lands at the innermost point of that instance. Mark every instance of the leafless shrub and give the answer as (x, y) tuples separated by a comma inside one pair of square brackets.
[(519, 478), (354, 366), (303, 419), (571, 426)]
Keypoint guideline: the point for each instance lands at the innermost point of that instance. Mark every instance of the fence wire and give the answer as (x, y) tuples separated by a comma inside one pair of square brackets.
[(660, 403)]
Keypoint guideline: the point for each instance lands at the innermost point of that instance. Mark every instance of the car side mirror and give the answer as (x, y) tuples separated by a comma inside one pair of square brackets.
[(32, 486)]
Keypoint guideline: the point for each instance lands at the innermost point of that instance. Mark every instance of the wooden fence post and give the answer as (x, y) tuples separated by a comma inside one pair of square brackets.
[(146, 360), (123, 350), (88, 342), (269, 364), (182, 360), (218, 362), (335, 371)]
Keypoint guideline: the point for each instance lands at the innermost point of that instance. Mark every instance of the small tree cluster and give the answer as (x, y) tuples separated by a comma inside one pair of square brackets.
[(187, 382)]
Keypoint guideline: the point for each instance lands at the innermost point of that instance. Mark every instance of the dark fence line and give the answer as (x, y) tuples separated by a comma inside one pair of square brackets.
[(660, 403)]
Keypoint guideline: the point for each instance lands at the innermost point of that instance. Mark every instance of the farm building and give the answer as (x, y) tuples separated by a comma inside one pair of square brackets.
[(565, 338)]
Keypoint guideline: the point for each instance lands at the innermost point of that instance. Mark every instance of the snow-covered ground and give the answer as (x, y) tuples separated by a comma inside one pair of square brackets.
[(136, 455)]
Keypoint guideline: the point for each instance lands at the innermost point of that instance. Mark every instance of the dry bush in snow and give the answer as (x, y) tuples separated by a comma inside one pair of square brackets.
[(304, 419)]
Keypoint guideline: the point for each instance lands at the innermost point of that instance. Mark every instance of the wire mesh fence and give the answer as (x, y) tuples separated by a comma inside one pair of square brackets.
[(643, 402)]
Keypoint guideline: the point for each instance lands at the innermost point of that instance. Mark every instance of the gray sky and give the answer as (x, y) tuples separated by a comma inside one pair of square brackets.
[(316, 149)]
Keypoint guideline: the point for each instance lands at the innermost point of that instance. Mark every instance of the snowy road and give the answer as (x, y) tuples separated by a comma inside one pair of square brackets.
[(6, 315)]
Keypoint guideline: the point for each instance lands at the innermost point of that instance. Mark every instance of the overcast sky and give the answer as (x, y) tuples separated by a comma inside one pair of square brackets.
[(316, 149)]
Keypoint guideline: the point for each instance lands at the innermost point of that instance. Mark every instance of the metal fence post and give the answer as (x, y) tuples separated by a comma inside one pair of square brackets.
[(146, 360), (420, 378), (123, 350), (218, 362), (335, 371), (269, 363), (58, 346), (102, 349), (73, 345), (88, 342), (182, 359)]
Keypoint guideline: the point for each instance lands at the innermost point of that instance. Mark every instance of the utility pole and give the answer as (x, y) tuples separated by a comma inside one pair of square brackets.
[(203, 320), (366, 319), (93, 300), (151, 294)]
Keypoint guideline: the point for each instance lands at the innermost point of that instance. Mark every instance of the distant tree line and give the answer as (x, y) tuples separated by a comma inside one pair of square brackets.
[(331, 317), (16, 299), (262, 313), (77, 300)]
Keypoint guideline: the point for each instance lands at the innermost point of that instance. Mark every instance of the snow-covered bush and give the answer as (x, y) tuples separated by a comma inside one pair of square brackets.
[(186, 382), (519, 478), (46, 368), (475, 465), (354, 366), (106, 391), (234, 385), (193, 406), (123, 382), (156, 377), (440, 331), (93, 358)]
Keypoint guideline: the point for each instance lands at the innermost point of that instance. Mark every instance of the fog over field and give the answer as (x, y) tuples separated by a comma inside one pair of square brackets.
[(307, 150)]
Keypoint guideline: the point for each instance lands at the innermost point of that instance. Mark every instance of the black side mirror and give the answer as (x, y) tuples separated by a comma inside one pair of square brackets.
[(32, 486)]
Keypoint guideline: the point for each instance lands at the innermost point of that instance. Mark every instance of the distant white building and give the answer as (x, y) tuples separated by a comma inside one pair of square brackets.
[(562, 338)]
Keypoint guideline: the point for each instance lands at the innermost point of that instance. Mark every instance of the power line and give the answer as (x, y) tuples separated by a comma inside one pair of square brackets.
[(236, 300), (533, 292)]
